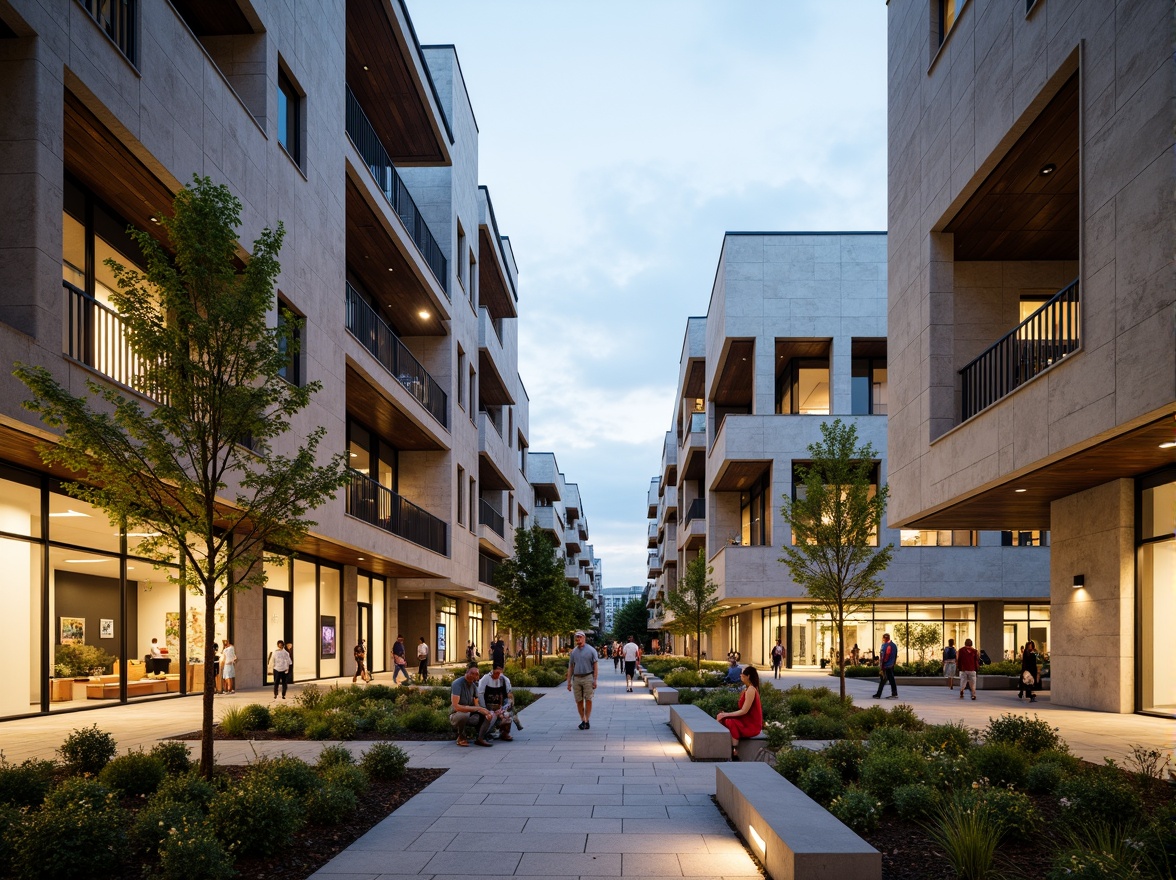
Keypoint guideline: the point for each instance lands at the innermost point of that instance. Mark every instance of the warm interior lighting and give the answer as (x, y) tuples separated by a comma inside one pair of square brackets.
[(1047, 170), (1171, 444), (69, 513), (360, 558), (142, 534), (1020, 490), (1079, 581), (423, 315), (365, 67), (757, 840), (87, 561)]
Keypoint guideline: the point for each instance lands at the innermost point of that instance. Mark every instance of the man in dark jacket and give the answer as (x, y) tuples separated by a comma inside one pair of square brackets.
[(887, 657)]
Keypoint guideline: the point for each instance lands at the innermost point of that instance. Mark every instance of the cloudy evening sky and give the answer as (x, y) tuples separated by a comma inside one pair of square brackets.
[(620, 139)]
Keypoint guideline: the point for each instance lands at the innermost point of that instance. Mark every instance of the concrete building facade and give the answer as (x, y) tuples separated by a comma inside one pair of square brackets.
[(1032, 304), (796, 335), (332, 119)]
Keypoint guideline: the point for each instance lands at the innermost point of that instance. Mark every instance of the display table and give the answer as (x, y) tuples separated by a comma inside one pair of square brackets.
[(101, 690), (60, 690)]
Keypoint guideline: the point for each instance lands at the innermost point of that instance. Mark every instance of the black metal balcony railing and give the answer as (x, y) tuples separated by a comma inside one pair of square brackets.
[(486, 569), (491, 517), (696, 510), (117, 18), (96, 337), (383, 508), (1038, 342), (377, 337), (367, 142)]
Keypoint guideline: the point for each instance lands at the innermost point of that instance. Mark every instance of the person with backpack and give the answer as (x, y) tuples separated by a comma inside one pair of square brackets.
[(949, 665), (777, 658)]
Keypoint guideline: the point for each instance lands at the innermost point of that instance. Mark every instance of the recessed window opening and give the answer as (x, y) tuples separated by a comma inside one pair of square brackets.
[(753, 513), (290, 343), (1024, 538), (948, 12), (289, 117)]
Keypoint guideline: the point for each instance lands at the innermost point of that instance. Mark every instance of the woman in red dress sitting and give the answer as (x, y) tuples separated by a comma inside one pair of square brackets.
[(748, 719)]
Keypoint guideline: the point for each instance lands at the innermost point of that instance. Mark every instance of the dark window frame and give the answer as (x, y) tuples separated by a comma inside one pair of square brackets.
[(290, 112), (293, 371)]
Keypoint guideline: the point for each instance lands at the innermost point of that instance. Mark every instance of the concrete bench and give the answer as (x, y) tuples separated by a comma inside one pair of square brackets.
[(791, 834), (653, 681), (664, 695), (750, 747), (704, 738)]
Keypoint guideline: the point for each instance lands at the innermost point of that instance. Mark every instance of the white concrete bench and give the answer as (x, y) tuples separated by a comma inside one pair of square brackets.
[(663, 694), (704, 738), (791, 834), (653, 681)]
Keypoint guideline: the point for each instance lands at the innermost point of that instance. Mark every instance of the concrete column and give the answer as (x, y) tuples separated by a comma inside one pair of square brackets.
[(990, 628), (248, 623), (1092, 659), (349, 634), (841, 375)]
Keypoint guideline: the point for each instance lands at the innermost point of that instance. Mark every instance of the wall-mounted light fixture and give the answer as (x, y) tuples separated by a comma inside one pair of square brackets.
[(688, 739), (1079, 581), (757, 840)]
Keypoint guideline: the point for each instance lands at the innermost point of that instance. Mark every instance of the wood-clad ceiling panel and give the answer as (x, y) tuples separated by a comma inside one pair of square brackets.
[(493, 288), (371, 406), (735, 385), (1018, 213)]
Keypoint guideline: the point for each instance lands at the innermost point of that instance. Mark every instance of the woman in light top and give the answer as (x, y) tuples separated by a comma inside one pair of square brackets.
[(229, 672), (748, 719)]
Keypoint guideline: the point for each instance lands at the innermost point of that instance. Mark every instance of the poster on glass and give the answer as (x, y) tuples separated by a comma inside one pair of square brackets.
[(327, 626)]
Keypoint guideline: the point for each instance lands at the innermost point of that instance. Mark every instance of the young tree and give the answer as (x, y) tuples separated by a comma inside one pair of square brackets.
[(632, 619), (835, 521), (533, 597), (195, 469), (922, 637), (693, 604)]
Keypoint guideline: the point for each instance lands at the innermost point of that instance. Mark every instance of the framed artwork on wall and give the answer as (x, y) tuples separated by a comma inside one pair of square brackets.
[(73, 630), (327, 639), (106, 628)]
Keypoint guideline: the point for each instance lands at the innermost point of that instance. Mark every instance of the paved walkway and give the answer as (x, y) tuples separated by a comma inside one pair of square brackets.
[(620, 799)]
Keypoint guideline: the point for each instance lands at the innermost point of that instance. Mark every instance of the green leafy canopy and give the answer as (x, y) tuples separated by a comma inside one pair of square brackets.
[(694, 605)]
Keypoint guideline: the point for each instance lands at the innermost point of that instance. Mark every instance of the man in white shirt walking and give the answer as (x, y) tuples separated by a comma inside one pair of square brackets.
[(632, 653)]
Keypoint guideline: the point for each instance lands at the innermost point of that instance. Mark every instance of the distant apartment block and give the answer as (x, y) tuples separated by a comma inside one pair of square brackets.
[(796, 335)]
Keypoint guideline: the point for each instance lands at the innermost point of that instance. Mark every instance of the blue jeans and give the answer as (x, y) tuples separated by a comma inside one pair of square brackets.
[(887, 675), (397, 670)]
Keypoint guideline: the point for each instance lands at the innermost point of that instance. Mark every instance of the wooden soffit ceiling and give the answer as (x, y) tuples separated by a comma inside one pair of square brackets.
[(734, 385), (694, 388), (397, 99), (492, 388), (735, 476), (104, 165), (369, 404), (385, 273), (1002, 507), (493, 287), (1018, 213)]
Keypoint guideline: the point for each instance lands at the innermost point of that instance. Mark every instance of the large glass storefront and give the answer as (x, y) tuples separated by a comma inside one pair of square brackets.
[(808, 634), (1155, 674)]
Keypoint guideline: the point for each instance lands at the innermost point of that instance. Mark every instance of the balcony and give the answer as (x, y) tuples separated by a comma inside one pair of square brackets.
[(488, 516), (651, 535), (548, 519), (1030, 348), (381, 507), (377, 337), (367, 143), (95, 336), (487, 567)]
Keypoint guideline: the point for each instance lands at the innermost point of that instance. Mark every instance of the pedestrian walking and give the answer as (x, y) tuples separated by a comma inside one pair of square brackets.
[(887, 657), (423, 659), (777, 658), (281, 666), (583, 670), (631, 651), (1029, 674), (969, 665), (949, 664), (399, 661)]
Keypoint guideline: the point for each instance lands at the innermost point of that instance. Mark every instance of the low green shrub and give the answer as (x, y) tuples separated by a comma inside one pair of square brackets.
[(10, 820), (84, 790), (1032, 734), (380, 692), (287, 720), (799, 704), (348, 775), (72, 836), (1011, 812), (867, 720), (384, 761), (284, 772), (779, 733), (845, 756), (235, 722), (135, 773), (425, 720), (1001, 763), (1100, 796), (388, 725), (342, 725), (820, 782), (968, 838), (254, 818), (333, 756), (818, 727), (175, 756), (895, 738), (193, 852), (904, 717), (331, 803), (87, 750), (25, 784), (1044, 777), (953, 738), (857, 809), (885, 769), (157, 820), (310, 698), (792, 762), (915, 802), (191, 788), (947, 772), (317, 727)]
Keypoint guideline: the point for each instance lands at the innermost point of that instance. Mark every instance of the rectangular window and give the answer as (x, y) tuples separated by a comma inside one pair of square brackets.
[(474, 283), (460, 261), (460, 495), (371, 455), (510, 508), (473, 394), (473, 505), (290, 343), (802, 382), (1024, 539), (940, 538), (799, 491), (869, 386), (461, 371), (289, 117), (948, 13), (753, 513)]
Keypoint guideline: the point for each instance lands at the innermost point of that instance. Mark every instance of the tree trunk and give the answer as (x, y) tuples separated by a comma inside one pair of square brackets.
[(841, 652), (207, 755)]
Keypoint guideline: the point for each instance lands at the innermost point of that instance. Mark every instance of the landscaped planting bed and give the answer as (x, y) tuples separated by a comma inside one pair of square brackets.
[(148, 814), (355, 712)]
